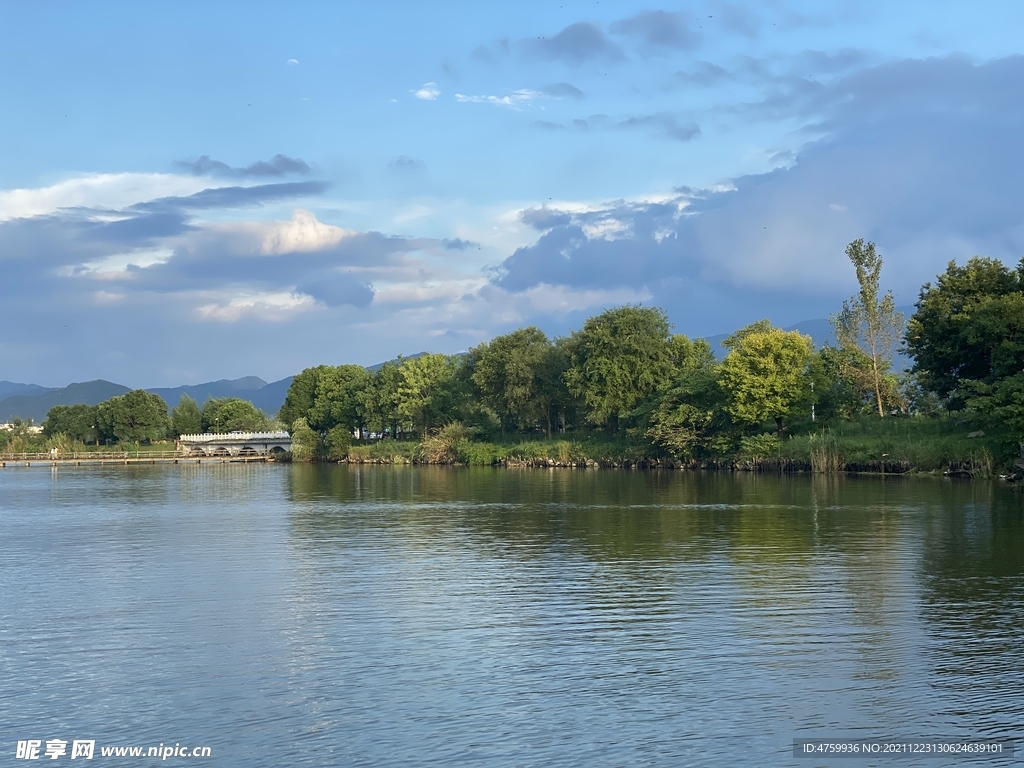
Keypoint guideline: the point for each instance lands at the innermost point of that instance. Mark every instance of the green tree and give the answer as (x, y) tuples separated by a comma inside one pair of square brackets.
[(839, 383), (337, 441), (968, 327), (338, 398), (510, 374), (306, 444), (428, 391), (553, 397), (618, 359), (106, 416), (134, 417), (867, 323), (689, 414), (18, 438), (186, 417), (301, 395), (232, 414), (78, 422), (380, 400), (764, 373), (1001, 402)]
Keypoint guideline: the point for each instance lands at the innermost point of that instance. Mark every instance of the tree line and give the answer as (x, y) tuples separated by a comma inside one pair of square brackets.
[(627, 375), (142, 417)]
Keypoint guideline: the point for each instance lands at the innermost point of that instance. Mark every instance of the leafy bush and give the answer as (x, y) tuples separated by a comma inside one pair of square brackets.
[(442, 447), (755, 448)]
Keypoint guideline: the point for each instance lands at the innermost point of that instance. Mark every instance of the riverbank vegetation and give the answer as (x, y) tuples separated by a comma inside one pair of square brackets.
[(624, 390), (138, 419)]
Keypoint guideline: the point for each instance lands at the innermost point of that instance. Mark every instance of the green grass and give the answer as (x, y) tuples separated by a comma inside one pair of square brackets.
[(867, 445), (384, 451), (565, 451), (903, 444)]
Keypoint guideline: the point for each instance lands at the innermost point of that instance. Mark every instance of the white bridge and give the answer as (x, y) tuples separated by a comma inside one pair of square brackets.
[(236, 444)]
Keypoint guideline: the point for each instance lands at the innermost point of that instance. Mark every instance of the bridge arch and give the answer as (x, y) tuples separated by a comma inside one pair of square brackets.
[(245, 444)]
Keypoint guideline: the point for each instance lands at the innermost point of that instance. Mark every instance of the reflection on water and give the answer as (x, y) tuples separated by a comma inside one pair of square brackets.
[(311, 615)]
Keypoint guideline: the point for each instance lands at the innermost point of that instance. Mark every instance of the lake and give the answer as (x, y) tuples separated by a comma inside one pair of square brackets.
[(398, 616)]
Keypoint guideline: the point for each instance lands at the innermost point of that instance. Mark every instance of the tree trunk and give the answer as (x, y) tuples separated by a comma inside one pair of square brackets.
[(778, 424), (547, 412), (878, 386)]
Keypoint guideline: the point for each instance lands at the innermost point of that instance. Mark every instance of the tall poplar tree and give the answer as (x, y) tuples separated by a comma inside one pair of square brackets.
[(866, 323)]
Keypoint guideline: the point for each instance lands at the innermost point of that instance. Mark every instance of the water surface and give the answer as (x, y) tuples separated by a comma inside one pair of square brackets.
[(301, 615)]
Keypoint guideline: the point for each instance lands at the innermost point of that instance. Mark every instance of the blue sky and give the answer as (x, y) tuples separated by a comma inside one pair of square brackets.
[(194, 192)]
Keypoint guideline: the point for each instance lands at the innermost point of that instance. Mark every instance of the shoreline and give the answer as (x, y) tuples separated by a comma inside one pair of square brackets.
[(551, 464), (113, 461)]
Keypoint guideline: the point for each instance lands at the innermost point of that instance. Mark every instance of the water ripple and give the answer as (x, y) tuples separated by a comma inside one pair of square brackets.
[(390, 616)]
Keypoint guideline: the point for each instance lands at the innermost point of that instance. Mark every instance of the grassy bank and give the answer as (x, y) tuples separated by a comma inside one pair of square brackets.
[(893, 445), (906, 445)]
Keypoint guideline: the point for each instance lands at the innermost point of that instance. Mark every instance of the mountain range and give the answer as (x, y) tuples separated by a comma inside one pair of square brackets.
[(31, 401)]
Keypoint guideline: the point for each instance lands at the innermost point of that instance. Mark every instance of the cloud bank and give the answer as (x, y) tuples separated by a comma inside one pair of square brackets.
[(206, 270), (278, 165), (919, 156)]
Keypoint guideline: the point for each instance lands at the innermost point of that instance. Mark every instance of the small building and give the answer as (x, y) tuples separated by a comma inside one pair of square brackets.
[(236, 444), (31, 429)]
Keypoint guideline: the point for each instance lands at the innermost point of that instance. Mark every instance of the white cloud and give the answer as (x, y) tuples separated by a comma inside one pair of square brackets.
[(515, 100), (303, 233), (411, 213), (559, 298), (609, 228), (103, 297), (427, 92), (429, 291), (98, 190), (273, 307), (115, 266), (292, 62)]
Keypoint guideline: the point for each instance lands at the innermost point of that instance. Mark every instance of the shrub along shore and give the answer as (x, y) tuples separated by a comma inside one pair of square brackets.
[(897, 446)]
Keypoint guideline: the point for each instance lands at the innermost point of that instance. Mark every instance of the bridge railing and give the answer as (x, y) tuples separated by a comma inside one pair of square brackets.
[(84, 455), (233, 437)]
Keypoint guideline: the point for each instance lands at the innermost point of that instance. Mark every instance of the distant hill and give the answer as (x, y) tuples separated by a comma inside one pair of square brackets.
[(36, 401), (35, 407), (8, 388), (378, 366), (270, 398), (212, 389), (820, 331), (267, 397)]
